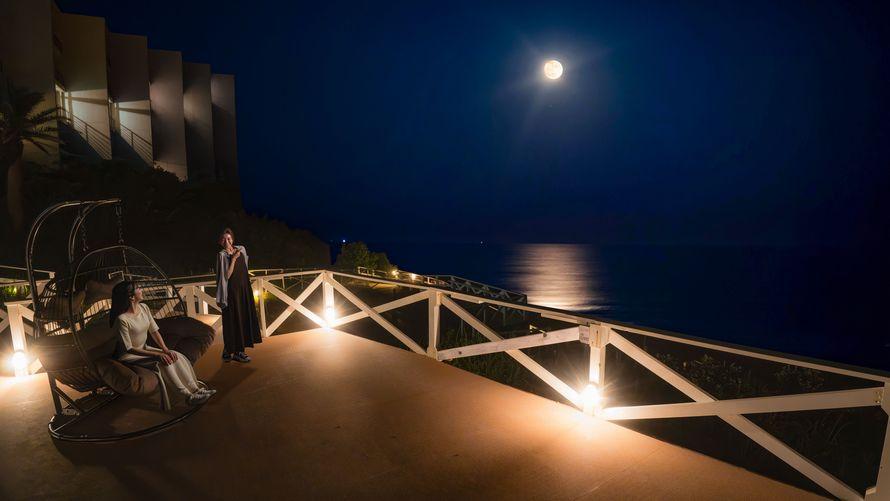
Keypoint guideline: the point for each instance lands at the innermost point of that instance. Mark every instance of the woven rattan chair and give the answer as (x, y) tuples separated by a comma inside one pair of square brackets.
[(72, 337)]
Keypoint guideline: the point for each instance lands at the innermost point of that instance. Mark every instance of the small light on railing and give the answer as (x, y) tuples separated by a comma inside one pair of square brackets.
[(256, 294), (413, 276), (19, 361), (591, 397), (395, 273), (330, 316)]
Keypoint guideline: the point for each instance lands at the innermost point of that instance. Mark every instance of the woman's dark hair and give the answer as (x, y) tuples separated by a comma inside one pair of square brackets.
[(120, 299), (222, 236)]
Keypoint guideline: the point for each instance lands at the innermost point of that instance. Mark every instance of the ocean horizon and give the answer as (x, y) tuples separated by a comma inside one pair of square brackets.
[(820, 302)]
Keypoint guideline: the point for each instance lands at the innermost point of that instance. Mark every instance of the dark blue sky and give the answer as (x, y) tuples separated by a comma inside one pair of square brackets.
[(745, 122)]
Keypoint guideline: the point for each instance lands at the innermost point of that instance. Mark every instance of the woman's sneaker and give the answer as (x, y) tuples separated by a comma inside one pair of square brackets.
[(241, 357), (227, 357), (197, 398)]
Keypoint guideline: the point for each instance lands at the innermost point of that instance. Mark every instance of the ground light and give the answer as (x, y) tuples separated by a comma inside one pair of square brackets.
[(330, 315), (591, 398), (19, 362)]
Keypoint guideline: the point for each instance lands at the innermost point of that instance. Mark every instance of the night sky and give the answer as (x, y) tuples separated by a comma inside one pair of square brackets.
[(705, 122)]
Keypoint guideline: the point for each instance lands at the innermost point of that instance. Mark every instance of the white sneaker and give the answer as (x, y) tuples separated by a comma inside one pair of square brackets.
[(203, 388), (197, 398)]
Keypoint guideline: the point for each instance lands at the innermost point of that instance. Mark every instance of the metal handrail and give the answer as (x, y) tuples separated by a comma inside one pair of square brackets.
[(102, 145), (402, 275), (481, 289), (142, 147)]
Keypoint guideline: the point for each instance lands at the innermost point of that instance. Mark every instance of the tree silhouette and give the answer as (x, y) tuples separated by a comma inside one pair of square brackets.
[(20, 124)]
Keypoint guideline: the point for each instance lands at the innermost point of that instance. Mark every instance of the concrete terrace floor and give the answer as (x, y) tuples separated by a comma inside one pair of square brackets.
[(328, 415)]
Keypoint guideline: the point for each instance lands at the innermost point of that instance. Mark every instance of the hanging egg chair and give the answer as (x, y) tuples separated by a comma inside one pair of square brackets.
[(76, 345)]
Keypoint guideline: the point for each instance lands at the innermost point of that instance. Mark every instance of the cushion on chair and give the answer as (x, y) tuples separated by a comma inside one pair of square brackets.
[(97, 290), (127, 380), (187, 335), (58, 352), (57, 307)]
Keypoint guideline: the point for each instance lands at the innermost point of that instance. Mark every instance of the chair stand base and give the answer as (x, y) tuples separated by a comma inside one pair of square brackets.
[(76, 427)]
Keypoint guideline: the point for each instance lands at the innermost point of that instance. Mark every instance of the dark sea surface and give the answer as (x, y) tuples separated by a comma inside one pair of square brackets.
[(826, 303)]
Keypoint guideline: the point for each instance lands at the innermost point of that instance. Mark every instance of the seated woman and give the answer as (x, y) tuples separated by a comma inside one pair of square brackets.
[(134, 322)]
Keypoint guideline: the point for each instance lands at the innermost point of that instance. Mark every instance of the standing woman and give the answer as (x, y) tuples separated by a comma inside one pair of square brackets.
[(235, 296)]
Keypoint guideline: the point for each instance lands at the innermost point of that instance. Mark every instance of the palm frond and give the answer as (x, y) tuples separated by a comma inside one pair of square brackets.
[(18, 120), (37, 144), (44, 116), (24, 100), (44, 137), (47, 129)]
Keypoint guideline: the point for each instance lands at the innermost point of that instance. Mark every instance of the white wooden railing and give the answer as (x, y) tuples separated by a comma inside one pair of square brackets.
[(597, 334), (13, 314)]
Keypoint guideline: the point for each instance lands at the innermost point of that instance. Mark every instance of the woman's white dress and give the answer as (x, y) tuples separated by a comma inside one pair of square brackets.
[(178, 377)]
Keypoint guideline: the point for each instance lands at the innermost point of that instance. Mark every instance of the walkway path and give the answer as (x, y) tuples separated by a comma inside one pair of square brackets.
[(329, 415)]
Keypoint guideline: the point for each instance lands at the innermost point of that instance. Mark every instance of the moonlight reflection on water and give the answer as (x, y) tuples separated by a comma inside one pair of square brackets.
[(564, 276)]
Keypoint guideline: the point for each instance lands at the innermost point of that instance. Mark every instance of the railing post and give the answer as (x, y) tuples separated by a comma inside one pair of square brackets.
[(189, 300), (17, 329), (260, 287), (328, 312), (204, 309), (881, 490), (41, 284), (597, 340), (434, 302)]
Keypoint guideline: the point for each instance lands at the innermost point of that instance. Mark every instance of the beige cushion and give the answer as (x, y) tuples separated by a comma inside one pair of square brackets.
[(128, 380), (187, 335), (60, 352), (57, 307), (97, 290)]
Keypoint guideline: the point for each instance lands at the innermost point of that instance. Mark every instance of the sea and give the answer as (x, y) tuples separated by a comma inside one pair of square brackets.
[(819, 302)]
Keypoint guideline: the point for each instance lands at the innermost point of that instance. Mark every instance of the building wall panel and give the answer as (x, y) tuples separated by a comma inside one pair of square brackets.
[(225, 140), (82, 67), (130, 96), (198, 111), (26, 57), (167, 118)]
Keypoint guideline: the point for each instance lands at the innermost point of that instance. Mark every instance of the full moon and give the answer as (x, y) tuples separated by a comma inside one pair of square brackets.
[(553, 69)]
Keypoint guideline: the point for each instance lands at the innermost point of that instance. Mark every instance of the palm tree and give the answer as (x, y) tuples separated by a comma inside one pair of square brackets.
[(20, 124)]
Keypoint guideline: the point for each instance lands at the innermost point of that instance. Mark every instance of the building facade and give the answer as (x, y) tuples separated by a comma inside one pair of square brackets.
[(115, 97)]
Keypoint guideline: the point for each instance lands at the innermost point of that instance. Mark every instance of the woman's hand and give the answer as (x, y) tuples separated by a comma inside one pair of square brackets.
[(236, 254), (166, 359), (171, 354)]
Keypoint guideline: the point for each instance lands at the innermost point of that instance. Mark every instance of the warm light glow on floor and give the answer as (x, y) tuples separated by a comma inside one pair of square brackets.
[(591, 397), (19, 363)]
